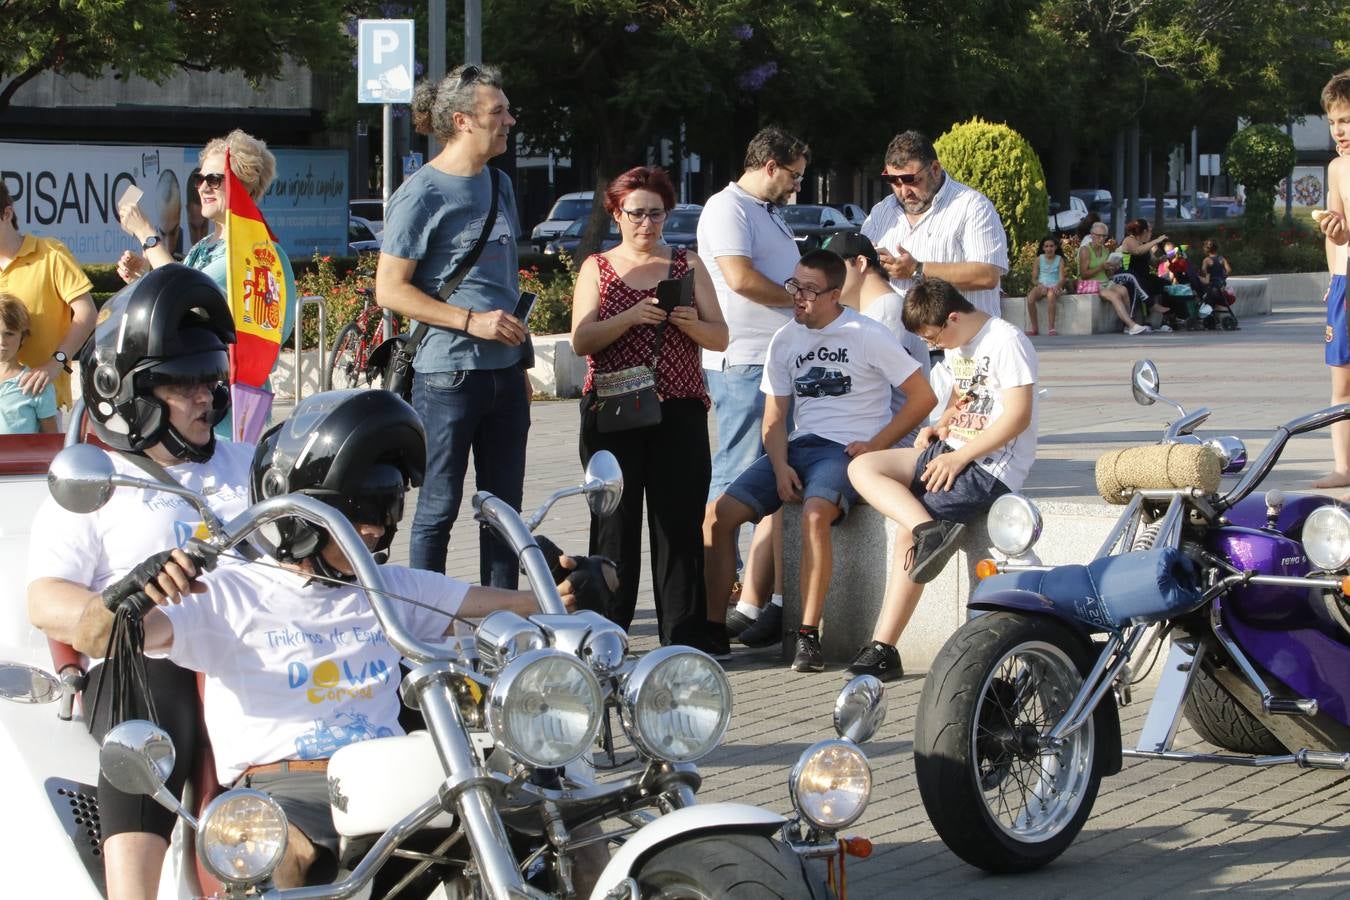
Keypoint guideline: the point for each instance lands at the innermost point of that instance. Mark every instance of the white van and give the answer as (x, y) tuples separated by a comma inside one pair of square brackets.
[(568, 209)]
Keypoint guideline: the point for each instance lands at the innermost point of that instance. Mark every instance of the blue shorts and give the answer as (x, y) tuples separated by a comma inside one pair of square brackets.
[(972, 492), (1338, 324), (822, 466)]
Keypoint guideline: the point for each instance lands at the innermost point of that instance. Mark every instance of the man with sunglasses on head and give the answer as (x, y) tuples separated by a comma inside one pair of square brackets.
[(471, 388), (755, 252), (934, 225), (839, 368)]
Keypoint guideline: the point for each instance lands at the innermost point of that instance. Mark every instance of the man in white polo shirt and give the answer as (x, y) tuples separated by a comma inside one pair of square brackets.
[(934, 225), (755, 253)]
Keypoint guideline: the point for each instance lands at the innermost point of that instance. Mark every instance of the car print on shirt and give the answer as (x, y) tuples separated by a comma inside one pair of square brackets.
[(821, 382), (325, 739)]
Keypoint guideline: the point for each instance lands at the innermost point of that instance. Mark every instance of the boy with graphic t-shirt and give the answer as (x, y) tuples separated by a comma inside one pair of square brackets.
[(982, 447), (839, 367)]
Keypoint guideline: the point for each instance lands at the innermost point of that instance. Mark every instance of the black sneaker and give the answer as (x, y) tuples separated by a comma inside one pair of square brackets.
[(876, 658), (934, 544), (767, 630), (737, 622), (809, 657)]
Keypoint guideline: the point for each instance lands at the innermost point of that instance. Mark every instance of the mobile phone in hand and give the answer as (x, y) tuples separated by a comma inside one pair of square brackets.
[(525, 306), (673, 292)]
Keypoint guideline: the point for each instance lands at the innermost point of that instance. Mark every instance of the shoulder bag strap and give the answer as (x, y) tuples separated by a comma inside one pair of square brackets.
[(451, 284)]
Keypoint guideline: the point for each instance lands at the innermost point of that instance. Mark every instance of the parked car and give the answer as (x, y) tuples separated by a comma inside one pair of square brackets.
[(811, 224), (681, 229), (370, 211), (1063, 220), (1170, 210), (571, 237), (1097, 200), (569, 208), (361, 238), (854, 213), (1218, 207)]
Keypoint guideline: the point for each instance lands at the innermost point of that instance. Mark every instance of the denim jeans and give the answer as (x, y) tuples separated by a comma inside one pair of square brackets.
[(486, 411), (739, 407)]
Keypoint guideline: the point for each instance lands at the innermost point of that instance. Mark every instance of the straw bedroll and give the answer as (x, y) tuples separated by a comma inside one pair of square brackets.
[(1158, 467)]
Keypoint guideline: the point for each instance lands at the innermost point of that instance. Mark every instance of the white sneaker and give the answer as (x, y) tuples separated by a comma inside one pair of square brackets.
[(1137, 329), (1164, 327)]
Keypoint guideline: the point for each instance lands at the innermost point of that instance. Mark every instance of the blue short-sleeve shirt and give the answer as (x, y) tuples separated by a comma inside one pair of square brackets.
[(19, 412)]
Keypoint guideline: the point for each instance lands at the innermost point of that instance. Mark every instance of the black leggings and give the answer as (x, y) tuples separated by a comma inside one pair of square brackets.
[(175, 692)]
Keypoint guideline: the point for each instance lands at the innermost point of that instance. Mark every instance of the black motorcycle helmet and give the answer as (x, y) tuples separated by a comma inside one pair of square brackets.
[(170, 326), (355, 450)]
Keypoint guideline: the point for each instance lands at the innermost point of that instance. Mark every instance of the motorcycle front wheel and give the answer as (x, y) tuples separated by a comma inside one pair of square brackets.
[(723, 865), (998, 797)]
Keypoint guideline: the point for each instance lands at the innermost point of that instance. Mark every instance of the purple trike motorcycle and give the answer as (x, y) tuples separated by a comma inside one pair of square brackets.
[(1245, 595)]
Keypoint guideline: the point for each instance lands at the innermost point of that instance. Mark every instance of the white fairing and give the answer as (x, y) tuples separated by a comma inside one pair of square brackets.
[(681, 824), (373, 784)]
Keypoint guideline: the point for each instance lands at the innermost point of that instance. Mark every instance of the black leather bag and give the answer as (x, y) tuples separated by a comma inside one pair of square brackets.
[(626, 399), (398, 376)]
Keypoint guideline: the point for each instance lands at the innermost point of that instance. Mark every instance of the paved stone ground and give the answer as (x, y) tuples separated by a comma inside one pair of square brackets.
[(1158, 828)]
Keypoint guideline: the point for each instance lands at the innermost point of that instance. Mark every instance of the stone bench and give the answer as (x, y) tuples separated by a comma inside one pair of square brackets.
[(1081, 314), (1073, 532)]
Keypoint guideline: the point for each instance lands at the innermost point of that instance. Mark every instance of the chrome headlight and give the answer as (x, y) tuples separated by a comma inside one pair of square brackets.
[(503, 635), (676, 704), (1014, 524), (830, 784), (544, 708), (1326, 538), (242, 837)]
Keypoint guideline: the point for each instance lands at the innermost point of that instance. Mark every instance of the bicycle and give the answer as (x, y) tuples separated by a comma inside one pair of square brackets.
[(350, 362)]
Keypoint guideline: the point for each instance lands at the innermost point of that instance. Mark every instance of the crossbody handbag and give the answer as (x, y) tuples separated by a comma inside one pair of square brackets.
[(627, 399), (399, 378)]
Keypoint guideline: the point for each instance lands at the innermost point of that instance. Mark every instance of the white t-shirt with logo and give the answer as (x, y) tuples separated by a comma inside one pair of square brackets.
[(997, 358), (734, 223), (295, 670), (840, 376), (96, 549)]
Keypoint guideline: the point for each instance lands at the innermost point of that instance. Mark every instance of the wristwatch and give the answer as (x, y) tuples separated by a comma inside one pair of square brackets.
[(63, 360), (151, 241), (918, 270)]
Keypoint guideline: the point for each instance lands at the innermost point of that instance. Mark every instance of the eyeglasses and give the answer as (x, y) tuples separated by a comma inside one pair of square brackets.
[(903, 178), (655, 216), (213, 181), (1099, 233), (796, 176), (932, 341), (797, 289)]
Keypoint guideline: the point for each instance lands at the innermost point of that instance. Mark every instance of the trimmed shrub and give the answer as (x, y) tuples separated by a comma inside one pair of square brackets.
[(999, 163), (553, 312), (1258, 156)]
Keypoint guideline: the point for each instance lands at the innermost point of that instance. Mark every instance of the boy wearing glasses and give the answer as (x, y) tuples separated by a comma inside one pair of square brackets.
[(981, 448), (934, 225), (839, 368)]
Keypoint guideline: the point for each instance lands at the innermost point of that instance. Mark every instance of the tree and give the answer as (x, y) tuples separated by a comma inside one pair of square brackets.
[(153, 39), (1258, 156), (999, 163)]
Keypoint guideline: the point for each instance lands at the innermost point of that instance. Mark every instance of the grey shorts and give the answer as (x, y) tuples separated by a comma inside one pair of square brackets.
[(303, 797), (972, 492)]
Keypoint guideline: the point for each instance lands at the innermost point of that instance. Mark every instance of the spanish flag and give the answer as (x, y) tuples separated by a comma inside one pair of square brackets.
[(257, 295)]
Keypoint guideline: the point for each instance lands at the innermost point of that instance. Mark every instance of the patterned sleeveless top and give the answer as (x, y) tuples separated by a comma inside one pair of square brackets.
[(679, 369)]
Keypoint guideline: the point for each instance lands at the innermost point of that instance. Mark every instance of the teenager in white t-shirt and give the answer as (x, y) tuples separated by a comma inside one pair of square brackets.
[(982, 447), (296, 663), (838, 367), (153, 378)]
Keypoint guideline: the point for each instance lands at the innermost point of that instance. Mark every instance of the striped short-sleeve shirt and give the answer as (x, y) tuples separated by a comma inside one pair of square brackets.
[(961, 226)]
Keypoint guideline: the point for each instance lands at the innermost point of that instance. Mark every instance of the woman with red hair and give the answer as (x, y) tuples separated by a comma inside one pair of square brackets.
[(618, 324)]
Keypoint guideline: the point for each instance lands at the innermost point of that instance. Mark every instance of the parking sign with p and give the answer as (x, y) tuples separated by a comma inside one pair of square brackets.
[(384, 61)]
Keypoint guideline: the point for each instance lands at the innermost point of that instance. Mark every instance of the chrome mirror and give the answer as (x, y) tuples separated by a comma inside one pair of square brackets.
[(137, 757), (1144, 382), (81, 478), (860, 709), (604, 484), (28, 684)]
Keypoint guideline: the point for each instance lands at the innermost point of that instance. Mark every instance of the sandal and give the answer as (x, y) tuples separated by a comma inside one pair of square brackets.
[(1031, 332), (1053, 333)]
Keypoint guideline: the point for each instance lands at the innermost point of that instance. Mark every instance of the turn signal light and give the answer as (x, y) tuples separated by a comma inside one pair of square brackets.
[(985, 568), (1345, 585), (860, 847)]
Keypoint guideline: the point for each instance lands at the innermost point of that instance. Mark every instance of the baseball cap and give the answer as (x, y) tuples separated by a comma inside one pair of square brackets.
[(851, 245)]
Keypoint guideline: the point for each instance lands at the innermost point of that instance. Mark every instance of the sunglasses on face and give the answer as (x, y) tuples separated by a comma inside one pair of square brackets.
[(905, 178), (214, 181)]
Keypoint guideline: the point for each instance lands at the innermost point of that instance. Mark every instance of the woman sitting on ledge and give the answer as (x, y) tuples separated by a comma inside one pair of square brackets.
[(1092, 268)]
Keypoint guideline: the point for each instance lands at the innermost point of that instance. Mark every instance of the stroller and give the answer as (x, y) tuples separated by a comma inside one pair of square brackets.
[(1216, 296)]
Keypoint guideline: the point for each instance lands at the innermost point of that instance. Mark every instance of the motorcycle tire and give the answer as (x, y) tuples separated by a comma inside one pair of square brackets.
[(707, 867), (1220, 719), (341, 372), (995, 799)]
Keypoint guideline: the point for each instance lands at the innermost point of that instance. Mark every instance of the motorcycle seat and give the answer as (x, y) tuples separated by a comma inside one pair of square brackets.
[(1109, 593)]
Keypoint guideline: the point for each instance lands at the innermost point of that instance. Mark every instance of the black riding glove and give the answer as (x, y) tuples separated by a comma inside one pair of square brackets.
[(593, 585), (129, 591)]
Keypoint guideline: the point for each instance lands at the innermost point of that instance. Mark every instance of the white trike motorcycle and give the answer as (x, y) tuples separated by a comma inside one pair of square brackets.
[(497, 798)]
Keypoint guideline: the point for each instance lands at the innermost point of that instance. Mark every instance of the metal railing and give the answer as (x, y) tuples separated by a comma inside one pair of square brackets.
[(301, 303)]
